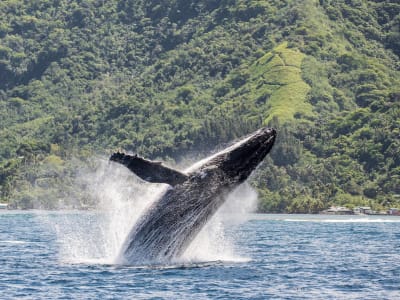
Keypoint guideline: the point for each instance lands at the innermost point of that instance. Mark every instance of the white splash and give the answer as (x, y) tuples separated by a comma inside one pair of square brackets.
[(96, 237)]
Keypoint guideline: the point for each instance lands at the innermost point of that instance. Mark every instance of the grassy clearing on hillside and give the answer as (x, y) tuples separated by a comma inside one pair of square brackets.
[(276, 79)]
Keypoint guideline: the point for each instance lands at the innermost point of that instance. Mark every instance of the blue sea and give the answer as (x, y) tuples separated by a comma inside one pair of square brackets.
[(68, 255)]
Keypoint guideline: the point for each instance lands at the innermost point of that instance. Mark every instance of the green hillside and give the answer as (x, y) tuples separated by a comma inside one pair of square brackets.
[(172, 79)]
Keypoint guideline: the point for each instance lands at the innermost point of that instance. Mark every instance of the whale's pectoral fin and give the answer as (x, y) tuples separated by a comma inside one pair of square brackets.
[(149, 170)]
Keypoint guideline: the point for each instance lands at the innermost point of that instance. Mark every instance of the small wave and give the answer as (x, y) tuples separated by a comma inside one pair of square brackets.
[(356, 220), (176, 264), (362, 221), (13, 242), (181, 265), (227, 259), (88, 261)]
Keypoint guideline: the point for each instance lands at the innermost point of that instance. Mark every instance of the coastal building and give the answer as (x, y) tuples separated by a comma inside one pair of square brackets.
[(363, 210), (394, 212), (3, 205)]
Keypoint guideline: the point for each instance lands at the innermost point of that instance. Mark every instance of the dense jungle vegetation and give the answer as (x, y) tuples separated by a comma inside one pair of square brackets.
[(178, 78)]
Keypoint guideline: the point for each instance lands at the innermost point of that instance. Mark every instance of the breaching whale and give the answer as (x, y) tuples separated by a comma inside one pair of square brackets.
[(166, 229)]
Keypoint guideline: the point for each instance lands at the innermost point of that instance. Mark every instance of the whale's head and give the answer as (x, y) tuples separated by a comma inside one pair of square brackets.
[(239, 160)]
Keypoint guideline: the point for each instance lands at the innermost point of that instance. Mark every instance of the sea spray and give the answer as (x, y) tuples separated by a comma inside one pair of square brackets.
[(97, 236), (122, 199)]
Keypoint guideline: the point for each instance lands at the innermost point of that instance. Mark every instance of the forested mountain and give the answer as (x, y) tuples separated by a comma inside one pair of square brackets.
[(170, 79)]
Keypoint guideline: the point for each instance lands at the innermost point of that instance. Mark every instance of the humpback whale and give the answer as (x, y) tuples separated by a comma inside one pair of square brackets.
[(170, 224)]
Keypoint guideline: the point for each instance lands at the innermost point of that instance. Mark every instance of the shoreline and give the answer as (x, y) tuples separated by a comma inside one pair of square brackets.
[(72, 210)]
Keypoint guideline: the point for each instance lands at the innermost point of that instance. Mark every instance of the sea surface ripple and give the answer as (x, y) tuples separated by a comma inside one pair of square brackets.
[(284, 257)]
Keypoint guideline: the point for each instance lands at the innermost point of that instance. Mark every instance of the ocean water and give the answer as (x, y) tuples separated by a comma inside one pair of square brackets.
[(68, 255)]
